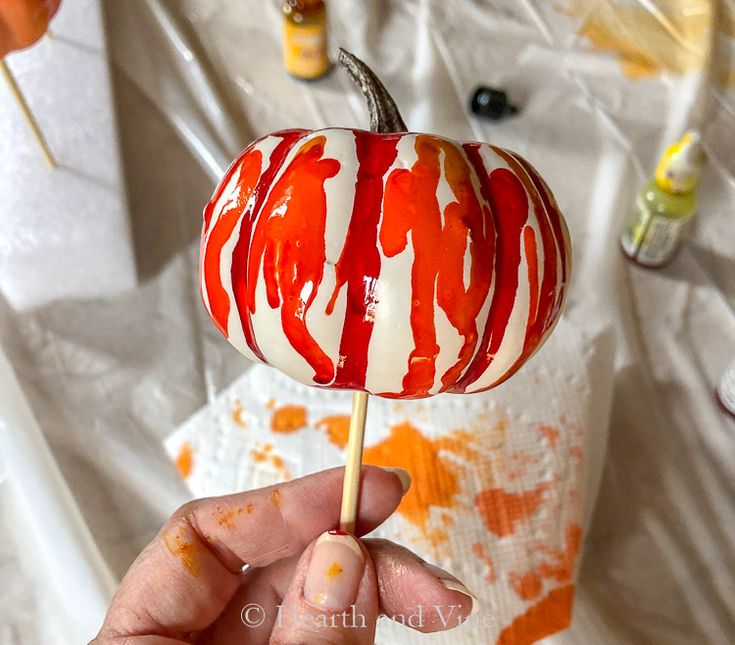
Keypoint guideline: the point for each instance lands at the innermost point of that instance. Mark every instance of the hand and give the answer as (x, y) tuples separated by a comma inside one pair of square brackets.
[(190, 585)]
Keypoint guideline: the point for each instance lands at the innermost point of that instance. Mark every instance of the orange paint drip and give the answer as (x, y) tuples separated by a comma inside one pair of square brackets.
[(238, 414), (219, 302), (501, 510), (289, 418), (289, 242), (337, 428), (550, 615), (185, 460), (184, 550), (411, 207)]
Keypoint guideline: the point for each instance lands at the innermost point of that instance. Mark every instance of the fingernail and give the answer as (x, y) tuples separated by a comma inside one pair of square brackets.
[(451, 583), (403, 475), (335, 571)]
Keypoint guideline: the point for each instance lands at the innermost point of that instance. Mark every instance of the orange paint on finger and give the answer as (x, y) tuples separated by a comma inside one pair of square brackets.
[(552, 614), (185, 460), (289, 418), (184, 550), (276, 498), (334, 571)]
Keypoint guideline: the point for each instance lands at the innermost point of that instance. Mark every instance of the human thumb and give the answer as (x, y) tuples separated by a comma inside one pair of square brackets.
[(333, 596)]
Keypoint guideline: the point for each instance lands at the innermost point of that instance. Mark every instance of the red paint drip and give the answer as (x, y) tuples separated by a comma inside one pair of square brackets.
[(239, 270), (219, 302), (288, 239), (359, 264), (545, 303), (509, 205), (529, 245)]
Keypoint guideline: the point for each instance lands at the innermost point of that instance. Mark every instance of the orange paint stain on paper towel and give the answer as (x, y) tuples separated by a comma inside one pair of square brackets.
[(550, 615), (337, 428), (432, 463), (559, 567), (481, 551), (265, 455), (550, 433), (185, 460), (502, 510), (289, 418), (237, 414), (674, 37), (184, 550)]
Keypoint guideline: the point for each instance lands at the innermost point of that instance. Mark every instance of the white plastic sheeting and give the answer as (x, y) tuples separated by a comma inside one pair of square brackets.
[(603, 86)]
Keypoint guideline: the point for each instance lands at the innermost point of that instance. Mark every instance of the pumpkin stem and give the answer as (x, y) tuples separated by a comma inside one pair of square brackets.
[(384, 115)]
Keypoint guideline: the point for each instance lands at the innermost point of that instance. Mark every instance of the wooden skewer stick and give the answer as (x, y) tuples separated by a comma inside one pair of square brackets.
[(384, 118), (27, 114), (351, 484)]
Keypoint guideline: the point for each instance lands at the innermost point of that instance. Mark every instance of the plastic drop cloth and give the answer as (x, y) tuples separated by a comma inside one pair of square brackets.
[(603, 86)]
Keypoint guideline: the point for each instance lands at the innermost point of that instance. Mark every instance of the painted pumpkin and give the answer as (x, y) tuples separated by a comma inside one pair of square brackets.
[(402, 264), (23, 22)]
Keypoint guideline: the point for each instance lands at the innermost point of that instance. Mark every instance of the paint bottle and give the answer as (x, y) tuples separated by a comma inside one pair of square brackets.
[(665, 205), (726, 390), (305, 38)]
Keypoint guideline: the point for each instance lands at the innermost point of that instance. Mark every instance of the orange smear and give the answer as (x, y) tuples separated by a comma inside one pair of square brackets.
[(289, 418), (185, 460), (435, 478), (265, 455), (552, 614), (270, 404), (238, 414), (560, 566), (576, 453), (276, 497), (481, 551), (226, 518), (183, 550), (337, 428), (249, 508), (501, 510), (549, 433)]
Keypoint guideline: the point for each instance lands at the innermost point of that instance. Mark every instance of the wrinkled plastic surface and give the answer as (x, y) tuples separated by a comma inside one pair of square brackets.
[(603, 87)]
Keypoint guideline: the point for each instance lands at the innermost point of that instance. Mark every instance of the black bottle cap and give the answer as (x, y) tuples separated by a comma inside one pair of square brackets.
[(491, 104)]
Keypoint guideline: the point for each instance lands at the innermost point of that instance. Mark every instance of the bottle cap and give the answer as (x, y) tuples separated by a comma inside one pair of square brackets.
[(491, 103), (678, 170)]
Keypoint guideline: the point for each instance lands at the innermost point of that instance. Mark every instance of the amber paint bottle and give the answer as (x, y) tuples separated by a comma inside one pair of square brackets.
[(305, 38)]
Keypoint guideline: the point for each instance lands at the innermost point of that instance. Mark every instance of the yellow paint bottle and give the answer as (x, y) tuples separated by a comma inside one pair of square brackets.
[(665, 205), (305, 38)]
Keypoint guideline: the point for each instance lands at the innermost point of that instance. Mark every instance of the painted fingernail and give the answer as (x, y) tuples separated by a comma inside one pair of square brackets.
[(335, 571), (403, 475), (451, 583)]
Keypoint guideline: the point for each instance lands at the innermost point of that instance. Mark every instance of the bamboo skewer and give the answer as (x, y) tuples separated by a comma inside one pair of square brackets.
[(351, 484), (27, 114), (384, 118)]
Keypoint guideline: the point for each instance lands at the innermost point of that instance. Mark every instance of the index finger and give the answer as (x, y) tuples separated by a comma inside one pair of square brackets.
[(184, 578)]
